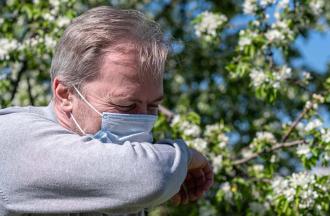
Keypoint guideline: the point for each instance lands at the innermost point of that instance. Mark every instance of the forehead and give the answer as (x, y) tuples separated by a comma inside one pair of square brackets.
[(123, 60), (120, 76)]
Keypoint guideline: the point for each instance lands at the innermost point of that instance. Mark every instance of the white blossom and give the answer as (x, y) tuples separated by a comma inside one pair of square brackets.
[(49, 17), (264, 137), (246, 37), (209, 24), (316, 6), (313, 124), (226, 188), (307, 76), (246, 153), (258, 77), (191, 129), (310, 105), (258, 167), (223, 140), (326, 156), (284, 73), (250, 6), (210, 129), (281, 186), (7, 46), (281, 25), (56, 3), (273, 159), (186, 127), (1, 20), (318, 98), (274, 35), (217, 163), (325, 135), (31, 42), (264, 3), (213, 129), (179, 79), (199, 144), (63, 21), (279, 32), (303, 150), (303, 182), (244, 41), (50, 42), (256, 23), (283, 4)]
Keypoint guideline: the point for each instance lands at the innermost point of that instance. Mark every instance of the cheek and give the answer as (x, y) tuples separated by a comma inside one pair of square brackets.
[(89, 119)]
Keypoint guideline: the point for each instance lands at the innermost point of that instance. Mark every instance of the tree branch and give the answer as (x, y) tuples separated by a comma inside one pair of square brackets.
[(29, 90), (168, 113), (18, 79), (274, 148), (295, 123)]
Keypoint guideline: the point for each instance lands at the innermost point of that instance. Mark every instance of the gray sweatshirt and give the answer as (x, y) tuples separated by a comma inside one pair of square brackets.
[(47, 169)]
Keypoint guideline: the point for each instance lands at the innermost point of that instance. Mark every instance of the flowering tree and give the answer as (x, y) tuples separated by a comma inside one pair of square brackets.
[(256, 117)]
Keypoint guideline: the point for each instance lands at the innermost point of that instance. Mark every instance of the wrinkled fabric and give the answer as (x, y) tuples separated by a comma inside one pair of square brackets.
[(46, 169)]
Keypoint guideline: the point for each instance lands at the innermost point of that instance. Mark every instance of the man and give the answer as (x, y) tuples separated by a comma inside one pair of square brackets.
[(90, 151)]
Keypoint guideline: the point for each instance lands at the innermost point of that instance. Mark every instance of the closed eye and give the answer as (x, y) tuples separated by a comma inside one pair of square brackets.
[(126, 108)]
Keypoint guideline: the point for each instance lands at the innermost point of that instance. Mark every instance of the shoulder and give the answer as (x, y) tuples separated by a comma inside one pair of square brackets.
[(42, 112), (14, 117), (27, 122)]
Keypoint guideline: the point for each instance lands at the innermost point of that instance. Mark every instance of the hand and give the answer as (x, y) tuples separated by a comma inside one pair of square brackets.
[(199, 179)]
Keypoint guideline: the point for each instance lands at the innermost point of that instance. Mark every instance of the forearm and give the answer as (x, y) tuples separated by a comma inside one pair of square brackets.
[(76, 175)]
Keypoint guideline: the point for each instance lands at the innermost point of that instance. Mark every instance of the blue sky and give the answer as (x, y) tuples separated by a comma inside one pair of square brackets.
[(315, 51)]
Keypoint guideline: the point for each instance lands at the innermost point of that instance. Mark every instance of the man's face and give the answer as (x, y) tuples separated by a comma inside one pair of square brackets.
[(119, 90)]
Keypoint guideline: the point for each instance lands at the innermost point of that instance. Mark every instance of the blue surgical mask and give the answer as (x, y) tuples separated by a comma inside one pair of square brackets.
[(118, 128)]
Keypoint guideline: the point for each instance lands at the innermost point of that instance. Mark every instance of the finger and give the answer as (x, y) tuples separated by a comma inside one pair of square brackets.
[(209, 175), (196, 185), (199, 177), (197, 173), (200, 182), (208, 184), (208, 170), (190, 182)]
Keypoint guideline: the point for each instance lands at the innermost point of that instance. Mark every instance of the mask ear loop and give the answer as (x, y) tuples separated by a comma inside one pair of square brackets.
[(75, 121), (84, 99)]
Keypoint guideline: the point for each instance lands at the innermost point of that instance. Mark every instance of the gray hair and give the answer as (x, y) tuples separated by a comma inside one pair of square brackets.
[(80, 51)]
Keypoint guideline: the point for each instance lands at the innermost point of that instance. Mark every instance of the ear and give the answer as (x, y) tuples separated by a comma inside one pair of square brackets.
[(62, 95)]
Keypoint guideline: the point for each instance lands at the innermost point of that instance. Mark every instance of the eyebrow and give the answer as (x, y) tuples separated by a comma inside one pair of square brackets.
[(159, 99)]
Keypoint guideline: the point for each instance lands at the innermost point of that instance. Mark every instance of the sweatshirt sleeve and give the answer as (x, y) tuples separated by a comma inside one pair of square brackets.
[(45, 168)]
